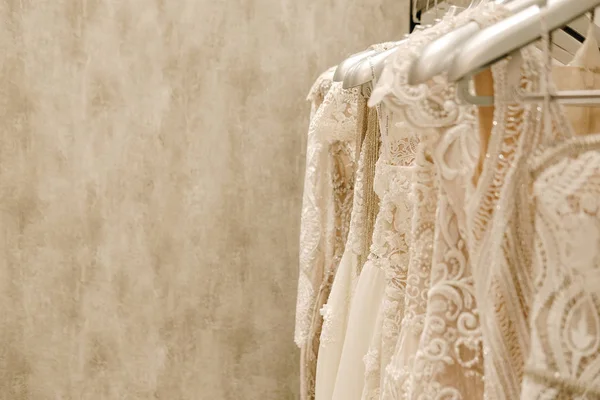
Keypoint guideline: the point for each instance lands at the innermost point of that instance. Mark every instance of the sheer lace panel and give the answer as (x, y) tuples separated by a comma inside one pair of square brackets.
[(564, 361)]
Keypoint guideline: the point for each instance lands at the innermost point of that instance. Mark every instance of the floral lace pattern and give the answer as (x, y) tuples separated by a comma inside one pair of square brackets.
[(326, 215), (341, 158), (390, 253), (313, 213), (564, 361), (449, 360), (443, 358), (341, 108), (409, 323), (333, 319), (433, 104), (501, 230)]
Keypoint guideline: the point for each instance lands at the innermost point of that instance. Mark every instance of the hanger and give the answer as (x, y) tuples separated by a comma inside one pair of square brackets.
[(369, 68), (438, 56), (363, 72), (507, 36), (343, 68)]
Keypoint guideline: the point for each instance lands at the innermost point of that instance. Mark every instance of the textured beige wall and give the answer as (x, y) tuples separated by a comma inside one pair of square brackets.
[(151, 163)]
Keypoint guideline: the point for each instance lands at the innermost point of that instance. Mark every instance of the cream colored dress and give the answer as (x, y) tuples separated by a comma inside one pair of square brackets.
[(326, 210), (312, 224), (438, 353), (564, 357), (500, 228), (339, 323), (335, 310)]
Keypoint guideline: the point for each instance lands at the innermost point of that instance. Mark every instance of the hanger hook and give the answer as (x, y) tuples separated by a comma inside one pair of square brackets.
[(415, 11)]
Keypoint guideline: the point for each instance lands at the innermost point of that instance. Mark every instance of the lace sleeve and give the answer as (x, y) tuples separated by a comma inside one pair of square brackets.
[(312, 226), (339, 114)]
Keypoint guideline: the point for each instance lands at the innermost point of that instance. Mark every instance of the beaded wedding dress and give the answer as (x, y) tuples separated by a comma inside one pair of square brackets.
[(500, 230), (388, 259), (564, 358)]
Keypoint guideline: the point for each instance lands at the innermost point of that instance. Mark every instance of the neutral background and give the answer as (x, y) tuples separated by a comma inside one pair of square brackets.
[(151, 166)]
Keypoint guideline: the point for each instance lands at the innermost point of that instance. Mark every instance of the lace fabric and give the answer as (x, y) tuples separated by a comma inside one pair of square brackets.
[(448, 356), (341, 158), (564, 361), (390, 253), (432, 104), (326, 214), (313, 215), (335, 311), (409, 287), (341, 108), (438, 352), (500, 229), (564, 357), (359, 318)]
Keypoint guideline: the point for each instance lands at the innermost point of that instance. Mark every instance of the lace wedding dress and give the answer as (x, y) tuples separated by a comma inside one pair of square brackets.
[(564, 362), (388, 255), (325, 219), (564, 358), (311, 225), (396, 168), (438, 353), (336, 312), (348, 107), (501, 233)]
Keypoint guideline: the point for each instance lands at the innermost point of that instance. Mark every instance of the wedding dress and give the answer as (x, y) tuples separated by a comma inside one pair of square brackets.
[(336, 311), (313, 205), (438, 353), (388, 254), (350, 107), (500, 228), (326, 212), (564, 358), (389, 258)]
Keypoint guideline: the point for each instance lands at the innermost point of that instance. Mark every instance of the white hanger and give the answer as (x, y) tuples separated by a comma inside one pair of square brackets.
[(370, 68), (364, 71), (437, 57), (346, 65), (511, 34)]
